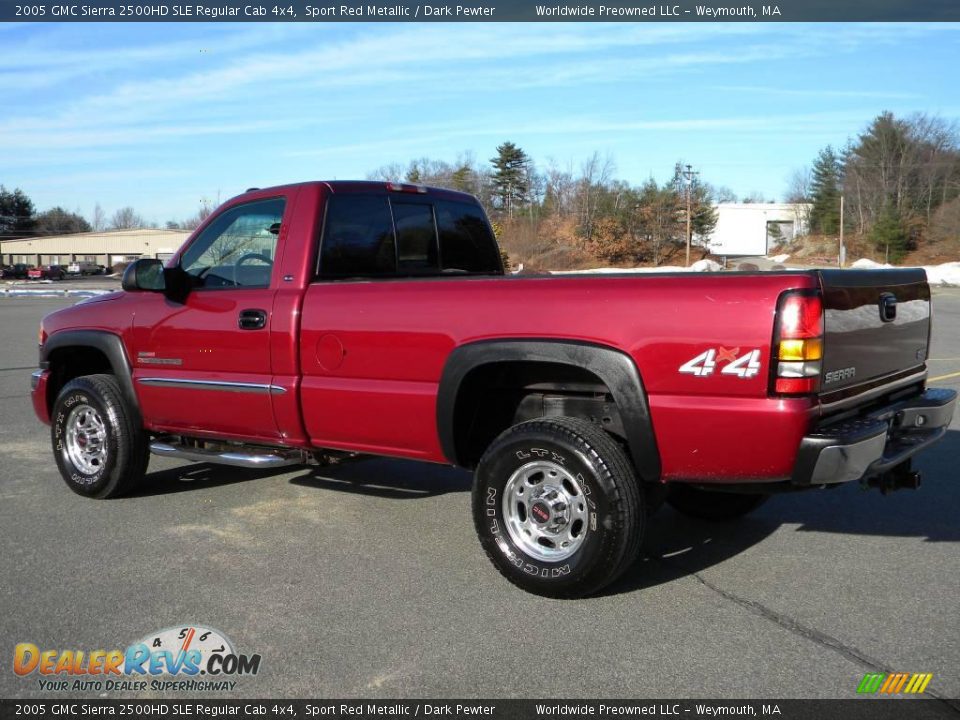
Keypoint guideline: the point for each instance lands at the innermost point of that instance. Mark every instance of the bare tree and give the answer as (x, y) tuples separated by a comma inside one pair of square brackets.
[(798, 186), (723, 194), (560, 190), (595, 175), (98, 220), (126, 218), (754, 197)]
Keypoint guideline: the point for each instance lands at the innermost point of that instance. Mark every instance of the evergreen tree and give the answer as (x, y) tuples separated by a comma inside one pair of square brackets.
[(889, 235), (511, 177), (825, 192), (16, 214), (462, 179)]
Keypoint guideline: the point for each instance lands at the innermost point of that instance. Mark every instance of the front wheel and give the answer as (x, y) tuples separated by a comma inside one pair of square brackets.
[(712, 505), (100, 450), (558, 507)]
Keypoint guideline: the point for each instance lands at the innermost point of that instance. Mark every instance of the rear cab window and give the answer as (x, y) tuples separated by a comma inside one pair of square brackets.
[(378, 235)]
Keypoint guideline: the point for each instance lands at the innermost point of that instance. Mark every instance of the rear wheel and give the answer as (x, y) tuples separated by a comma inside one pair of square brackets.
[(558, 507), (712, 505), (100, 451)]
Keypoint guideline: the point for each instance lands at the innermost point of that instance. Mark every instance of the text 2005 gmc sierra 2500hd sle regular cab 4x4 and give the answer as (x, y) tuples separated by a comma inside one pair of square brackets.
[(314, 321)]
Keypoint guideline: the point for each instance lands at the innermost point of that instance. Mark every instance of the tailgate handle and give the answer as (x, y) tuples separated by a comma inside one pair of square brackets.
[(888, 307)]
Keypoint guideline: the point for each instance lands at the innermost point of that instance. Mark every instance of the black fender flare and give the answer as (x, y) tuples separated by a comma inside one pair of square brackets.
[(615, 368), (110, 345)]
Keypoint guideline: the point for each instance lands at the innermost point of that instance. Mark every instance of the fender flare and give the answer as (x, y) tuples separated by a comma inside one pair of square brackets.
[(110, 345), (616, 369)]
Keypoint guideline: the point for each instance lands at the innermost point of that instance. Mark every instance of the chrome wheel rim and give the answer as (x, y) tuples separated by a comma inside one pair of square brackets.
[(545, 511), (86, 439)]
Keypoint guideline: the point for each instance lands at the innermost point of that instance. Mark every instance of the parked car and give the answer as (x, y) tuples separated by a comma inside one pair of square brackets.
[(83, 267), (17, 271), (581, 402), (48, 272)]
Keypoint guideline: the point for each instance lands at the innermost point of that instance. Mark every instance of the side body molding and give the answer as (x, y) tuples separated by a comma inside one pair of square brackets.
[(106, 342), (615, 368)]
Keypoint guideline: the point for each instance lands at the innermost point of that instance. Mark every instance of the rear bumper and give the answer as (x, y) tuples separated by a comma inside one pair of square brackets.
[(871, 445)]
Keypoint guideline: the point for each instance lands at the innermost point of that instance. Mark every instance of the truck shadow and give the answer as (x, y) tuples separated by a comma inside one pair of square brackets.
[(387, 478), (198, 476), (676, 546)]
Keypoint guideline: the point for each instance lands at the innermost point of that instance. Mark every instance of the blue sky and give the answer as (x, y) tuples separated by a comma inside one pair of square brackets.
[(162, 116)]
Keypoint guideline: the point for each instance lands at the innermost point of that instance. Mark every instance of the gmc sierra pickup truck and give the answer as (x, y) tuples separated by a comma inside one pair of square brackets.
[(314, 322)]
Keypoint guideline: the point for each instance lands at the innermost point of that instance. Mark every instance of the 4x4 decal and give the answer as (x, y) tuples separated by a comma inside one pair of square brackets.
[(704, 364)]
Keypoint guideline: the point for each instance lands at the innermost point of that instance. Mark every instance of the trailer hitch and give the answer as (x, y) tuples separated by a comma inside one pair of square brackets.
[(900, 477)]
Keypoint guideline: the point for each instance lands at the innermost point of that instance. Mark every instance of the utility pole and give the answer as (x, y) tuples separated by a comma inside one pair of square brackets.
[(843, 252), (688, 175)]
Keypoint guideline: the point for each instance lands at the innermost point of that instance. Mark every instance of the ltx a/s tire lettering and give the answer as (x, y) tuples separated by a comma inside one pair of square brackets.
[(558, 507)]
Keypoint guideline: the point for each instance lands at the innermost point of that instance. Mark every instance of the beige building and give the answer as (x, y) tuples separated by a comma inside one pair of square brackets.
[(102, 248)]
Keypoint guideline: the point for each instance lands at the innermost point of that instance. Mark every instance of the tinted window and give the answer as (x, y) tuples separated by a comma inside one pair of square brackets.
[(377, 235), (238, 248), (358, 237), (416, 238), (466, 242)]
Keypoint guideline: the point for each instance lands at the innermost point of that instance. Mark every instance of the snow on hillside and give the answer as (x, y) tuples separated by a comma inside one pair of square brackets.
[(944, 274)]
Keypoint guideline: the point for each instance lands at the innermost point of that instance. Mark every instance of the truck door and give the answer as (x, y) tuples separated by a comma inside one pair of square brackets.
[(203, 367)]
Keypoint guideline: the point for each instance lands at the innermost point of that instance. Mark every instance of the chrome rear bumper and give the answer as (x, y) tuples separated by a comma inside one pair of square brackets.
[(871, 445)]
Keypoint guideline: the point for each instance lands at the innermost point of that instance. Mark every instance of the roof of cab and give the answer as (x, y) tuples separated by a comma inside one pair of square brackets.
[(375, 186)]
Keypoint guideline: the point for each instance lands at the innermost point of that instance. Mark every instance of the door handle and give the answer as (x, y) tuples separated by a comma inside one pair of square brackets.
[(252, 319)]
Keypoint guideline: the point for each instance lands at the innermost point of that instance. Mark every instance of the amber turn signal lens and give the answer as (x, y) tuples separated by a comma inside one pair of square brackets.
[(800, 350)]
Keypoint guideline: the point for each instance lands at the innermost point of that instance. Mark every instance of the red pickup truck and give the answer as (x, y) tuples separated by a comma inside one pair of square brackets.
[(313, 322)]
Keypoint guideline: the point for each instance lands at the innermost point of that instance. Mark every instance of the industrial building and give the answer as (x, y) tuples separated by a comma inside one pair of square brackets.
[(754, 228), (107, 248)]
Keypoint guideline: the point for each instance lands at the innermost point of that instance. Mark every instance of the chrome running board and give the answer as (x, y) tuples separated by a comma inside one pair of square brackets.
[(241, 457)]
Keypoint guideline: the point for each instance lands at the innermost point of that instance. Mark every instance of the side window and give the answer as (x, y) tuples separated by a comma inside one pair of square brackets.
[(238, 249), (358, 237), (416, 238), (466, 242)]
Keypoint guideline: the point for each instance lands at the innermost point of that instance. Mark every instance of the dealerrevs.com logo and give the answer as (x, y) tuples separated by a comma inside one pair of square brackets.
[(190, 658)]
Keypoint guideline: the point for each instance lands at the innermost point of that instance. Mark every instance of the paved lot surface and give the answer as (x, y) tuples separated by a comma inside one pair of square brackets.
[(366, 580)]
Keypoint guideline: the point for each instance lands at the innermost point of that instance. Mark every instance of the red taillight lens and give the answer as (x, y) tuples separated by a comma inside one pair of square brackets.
[(795, 386), (801, 316), (798, 344)]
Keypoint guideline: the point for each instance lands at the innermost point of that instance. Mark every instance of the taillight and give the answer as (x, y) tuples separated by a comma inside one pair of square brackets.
[(798, 343)]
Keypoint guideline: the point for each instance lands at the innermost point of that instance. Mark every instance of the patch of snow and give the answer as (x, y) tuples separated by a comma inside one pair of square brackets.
[(706, 265), (699, 266), (864, 263), (779, 258), (945, 274)]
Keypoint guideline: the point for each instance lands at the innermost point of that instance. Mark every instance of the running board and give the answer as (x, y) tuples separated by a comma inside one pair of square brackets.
[(241, 457)]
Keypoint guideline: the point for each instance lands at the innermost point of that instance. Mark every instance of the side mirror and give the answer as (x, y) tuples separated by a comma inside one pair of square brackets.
[(146, 274)]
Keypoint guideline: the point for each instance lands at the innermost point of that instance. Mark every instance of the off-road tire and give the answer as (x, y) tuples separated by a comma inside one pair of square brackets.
[(124, 463), (613, 507), (711, 505)]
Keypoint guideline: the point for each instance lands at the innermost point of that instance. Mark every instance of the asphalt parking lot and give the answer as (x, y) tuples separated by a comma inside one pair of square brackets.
[(367, 580)]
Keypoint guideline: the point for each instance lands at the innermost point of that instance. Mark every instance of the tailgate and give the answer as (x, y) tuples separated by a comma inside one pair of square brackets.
[(877, 326)]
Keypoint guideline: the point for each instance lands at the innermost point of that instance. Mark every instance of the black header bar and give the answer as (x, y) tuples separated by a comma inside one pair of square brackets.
[(927, 708)]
